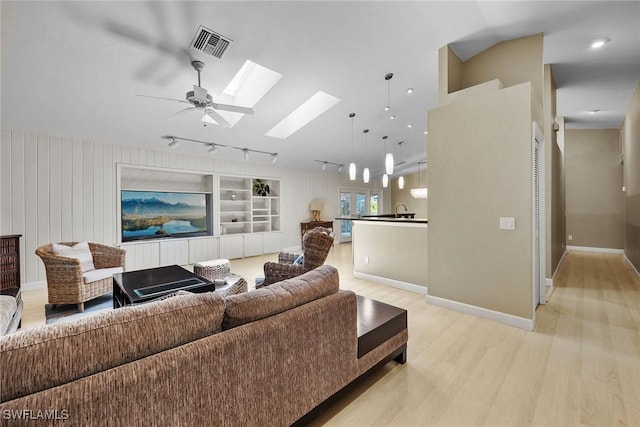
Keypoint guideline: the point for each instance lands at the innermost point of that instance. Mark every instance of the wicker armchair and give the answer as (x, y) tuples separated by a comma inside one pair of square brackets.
[(65, 283), (316, 246)]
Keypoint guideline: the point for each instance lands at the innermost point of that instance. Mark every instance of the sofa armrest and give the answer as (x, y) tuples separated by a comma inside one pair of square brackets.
[(107, 256), (276, 272)]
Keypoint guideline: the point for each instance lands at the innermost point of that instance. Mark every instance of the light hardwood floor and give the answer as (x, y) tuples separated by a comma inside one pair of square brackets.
[(581, 366)]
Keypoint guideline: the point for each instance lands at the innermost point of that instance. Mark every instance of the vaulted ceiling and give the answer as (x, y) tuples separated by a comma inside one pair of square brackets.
[(74, 68)]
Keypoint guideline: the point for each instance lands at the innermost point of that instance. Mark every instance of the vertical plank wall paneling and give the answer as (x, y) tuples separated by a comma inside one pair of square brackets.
[(5, 181), (30, 204), (17, 199), (64, 189)]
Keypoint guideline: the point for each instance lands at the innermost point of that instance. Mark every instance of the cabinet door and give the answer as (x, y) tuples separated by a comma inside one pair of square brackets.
[(253, 244), (231, 247)]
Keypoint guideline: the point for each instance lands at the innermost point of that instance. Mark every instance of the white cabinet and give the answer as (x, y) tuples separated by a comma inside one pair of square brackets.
[(232, 246), (249, 206)]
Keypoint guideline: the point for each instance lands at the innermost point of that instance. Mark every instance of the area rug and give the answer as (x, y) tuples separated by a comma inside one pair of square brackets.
[(65, 312)]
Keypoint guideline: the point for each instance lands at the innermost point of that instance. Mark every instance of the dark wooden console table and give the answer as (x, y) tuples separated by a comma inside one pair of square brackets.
[(305, 227)]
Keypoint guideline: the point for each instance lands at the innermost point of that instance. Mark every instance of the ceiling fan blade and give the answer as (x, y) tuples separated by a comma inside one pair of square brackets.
[(232, 108), (181, 112), (166, 99), (217, 118)]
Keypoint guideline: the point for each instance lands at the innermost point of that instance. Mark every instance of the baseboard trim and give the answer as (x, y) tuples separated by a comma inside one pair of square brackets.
[(507, 319), (393, 283), (549, 281), (590, 249), (630, 264), (34, 285)]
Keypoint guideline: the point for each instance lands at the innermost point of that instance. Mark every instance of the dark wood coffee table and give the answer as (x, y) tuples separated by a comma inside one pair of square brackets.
[(139, 286)]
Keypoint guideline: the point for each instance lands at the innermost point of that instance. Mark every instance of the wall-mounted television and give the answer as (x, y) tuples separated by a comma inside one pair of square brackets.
[(155, 214)]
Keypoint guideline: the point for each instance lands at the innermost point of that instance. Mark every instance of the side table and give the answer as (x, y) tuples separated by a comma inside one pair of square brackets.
[(305, 227)]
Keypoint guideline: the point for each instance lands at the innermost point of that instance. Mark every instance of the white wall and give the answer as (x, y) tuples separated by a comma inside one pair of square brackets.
[(55, 189)]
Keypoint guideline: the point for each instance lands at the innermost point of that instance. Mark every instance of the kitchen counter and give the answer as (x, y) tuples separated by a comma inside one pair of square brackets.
[(391, 251), (383, 218)]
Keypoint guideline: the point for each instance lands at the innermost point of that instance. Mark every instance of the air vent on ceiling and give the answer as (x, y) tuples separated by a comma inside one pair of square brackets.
[(210, 42)]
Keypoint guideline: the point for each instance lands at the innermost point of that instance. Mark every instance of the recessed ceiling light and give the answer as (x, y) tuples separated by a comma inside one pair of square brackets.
[(301, 116), (386, 108), (409, 125), (594, 111), (410, 90), (392, 117), (599, 42), (426, 132)]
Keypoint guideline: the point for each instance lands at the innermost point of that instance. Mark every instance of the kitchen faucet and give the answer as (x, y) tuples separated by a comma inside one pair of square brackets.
[(403, 205)]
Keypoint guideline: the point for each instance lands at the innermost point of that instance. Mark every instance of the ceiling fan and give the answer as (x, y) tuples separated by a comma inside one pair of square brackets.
[(202, 101)]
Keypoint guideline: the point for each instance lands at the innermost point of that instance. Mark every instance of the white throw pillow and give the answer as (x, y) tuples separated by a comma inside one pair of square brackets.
[(80, 251)]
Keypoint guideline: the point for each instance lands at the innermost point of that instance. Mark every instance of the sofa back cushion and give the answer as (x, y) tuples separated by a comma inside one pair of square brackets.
[(273, 299), (50, 355)]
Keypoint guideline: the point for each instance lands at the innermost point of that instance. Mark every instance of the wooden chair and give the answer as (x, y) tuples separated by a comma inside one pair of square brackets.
[(65, 283), (316, 246)]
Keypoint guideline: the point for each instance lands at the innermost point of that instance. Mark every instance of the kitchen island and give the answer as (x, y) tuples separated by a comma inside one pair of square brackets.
[(390, 250)]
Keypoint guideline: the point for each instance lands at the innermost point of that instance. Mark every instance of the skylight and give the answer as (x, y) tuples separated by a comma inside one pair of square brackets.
[(301, 116), (246, 88)]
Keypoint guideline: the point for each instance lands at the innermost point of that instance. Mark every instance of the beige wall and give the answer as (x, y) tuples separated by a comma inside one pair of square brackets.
[(631, 148), (554, 174), (513, 62), (395, 251), (595, 204), (480, 157), (418, 206)]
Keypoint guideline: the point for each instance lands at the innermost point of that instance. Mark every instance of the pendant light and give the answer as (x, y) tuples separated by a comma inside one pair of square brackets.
[(352, 165), (419, 192), (388, 159), (385, 180), (365, 172), (401, 179), (388, 77)]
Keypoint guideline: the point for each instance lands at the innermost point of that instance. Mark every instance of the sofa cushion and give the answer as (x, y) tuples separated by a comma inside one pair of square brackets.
[(281, 296), (79, 251), (100, 274), (62, 352)]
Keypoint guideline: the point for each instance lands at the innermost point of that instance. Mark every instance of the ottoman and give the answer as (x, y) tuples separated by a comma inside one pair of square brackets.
[(212, 270)]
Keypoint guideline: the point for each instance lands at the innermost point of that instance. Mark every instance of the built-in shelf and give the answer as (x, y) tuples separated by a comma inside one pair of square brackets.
[(243, 211)]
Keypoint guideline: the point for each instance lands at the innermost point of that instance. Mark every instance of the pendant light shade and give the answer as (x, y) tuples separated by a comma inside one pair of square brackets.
[(385, 180), (365, 175), (401, 182), (352, 165), (388, 163), (365, 171)]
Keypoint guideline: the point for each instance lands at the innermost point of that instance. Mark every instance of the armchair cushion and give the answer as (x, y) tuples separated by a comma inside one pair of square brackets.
[(100, 274), (79, 251)]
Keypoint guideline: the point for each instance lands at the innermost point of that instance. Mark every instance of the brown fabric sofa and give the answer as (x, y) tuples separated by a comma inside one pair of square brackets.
[(265, 357)]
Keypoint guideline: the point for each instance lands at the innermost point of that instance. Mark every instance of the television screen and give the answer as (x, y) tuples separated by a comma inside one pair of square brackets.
[(151, 214)]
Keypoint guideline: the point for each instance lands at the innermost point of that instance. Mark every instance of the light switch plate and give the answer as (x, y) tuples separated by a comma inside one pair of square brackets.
[(507, 223)]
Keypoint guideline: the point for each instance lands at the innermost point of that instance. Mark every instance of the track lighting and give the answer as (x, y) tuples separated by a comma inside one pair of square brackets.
[(324, 166), (215, 147), (340, 168), (326, 163)]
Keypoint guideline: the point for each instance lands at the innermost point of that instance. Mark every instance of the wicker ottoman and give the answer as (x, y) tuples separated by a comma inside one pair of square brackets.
[(212, 270)]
